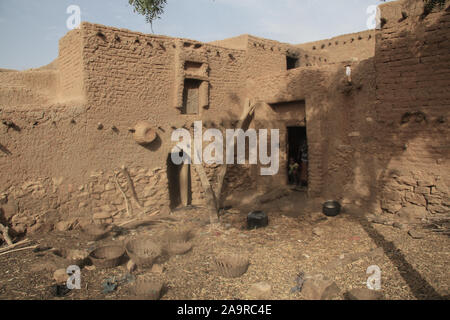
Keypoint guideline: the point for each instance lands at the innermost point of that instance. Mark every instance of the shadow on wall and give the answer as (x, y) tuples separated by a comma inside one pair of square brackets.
[(379, 151)]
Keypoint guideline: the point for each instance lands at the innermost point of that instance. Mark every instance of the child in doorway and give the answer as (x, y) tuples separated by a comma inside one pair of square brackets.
[(293, 171)]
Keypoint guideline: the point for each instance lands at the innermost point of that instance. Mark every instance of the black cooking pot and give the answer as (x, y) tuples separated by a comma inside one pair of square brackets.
[(257, 219), (331, 208)]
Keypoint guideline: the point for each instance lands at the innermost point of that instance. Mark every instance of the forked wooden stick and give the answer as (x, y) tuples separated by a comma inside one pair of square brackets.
[(5, 231)]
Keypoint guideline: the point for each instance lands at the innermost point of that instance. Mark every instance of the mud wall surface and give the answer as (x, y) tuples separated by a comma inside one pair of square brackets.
[(58, 161), (413, 103), (350, 47), (334, 111), (71, 67)]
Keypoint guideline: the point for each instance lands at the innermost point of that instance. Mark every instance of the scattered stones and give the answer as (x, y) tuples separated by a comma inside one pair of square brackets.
[(260, 291), (60, 276), (102, 215), (157, 268), (9, 209), (363, 294), (407, 180), (415, 234), (412, 213), (318, 231), (131, 266), (379, 220), (43, 266), (399, 225), (317, 287), (63, 226)]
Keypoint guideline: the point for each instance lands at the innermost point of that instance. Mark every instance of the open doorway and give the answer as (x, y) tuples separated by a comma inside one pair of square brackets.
[(297, 156), (179, 178)]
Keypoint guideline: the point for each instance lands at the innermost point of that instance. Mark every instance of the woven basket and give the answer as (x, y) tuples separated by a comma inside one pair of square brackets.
[(107, 257), (143, 252), (148, 289), (178, 248), (231, 265), (95, 232), (181, 235)]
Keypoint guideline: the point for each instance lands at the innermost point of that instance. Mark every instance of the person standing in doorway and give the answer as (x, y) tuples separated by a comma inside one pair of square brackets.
[(304, 165)]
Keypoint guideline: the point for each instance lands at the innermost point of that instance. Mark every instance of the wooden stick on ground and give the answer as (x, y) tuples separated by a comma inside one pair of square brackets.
[(130, 182), (123, 194), (5, 231), (15, 245), (21, 249)]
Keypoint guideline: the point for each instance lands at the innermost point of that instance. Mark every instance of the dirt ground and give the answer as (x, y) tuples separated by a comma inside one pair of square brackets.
[(296, 240)]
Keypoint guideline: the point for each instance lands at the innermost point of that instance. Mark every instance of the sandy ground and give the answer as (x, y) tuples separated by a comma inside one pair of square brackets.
[(300, 240)]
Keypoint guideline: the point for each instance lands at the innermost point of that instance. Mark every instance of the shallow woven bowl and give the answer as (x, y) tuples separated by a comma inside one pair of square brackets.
[(231, 265), (73, 257), (178, 248), (143, 251), (148, 289), (182, 235), (107, 257), (96, 232)]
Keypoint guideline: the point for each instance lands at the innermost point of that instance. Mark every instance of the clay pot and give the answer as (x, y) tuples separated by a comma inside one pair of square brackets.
[(144, 133)]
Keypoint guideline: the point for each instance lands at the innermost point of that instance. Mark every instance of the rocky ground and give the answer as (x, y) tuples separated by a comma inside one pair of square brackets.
[(331, 255)]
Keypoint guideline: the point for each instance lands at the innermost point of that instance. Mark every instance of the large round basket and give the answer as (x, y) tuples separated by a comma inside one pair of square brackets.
[(148, 289), (231, 265), (95, 232), (107, 257), (178, 235), (143, 251), (178, 248)]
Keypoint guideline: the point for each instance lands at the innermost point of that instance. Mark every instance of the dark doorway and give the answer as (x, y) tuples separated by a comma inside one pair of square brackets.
[(292, 62), (298, 152), (179, 179)]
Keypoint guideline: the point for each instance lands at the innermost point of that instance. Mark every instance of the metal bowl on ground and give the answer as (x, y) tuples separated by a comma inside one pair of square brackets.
[(331, 208), (73, 257), (257, 219), (95, 232), (107, 256), (147, 289), (231, 265), (143, 251)]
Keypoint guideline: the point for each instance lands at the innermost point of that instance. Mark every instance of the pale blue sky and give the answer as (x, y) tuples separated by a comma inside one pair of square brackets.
[(30, 29)]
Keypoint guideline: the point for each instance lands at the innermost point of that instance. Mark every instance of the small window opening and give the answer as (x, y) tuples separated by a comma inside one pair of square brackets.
[(292, 62)]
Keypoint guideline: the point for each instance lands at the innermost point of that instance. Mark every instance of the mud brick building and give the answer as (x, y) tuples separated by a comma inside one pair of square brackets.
[(380, 140)]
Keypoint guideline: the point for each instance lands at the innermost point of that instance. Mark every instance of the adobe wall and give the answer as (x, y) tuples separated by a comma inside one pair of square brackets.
[(71, 67), (413, 100), (333, 112), (381, 140), (350, 47), (61, 160)]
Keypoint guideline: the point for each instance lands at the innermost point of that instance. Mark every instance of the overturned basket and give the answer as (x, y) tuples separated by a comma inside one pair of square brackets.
[(96, 232), (107, 257), (143, 252), (148, 289), (231, 265)]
